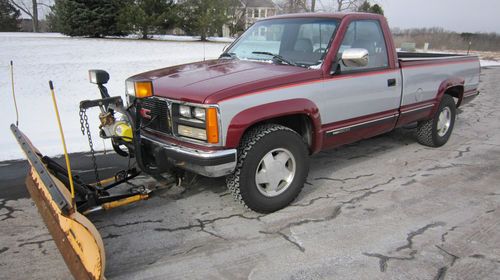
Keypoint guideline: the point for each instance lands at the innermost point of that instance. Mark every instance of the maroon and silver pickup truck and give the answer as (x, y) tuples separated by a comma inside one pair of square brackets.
[(289, 87)]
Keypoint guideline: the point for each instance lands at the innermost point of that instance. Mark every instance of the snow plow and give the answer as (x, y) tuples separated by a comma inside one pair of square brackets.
[(63, 199), (76, 237), (63, 209)]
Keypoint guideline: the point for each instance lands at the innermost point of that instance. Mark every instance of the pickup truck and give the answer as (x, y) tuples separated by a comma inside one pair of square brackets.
[(287, 88)]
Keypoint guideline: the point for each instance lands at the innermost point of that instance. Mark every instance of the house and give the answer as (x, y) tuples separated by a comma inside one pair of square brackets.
[(255, 10), (244, 14)]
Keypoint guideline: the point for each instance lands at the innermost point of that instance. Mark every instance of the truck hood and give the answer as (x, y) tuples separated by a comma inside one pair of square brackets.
[(215, 80)]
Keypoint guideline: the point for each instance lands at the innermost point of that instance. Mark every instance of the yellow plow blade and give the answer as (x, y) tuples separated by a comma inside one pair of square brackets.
[(76, 237)]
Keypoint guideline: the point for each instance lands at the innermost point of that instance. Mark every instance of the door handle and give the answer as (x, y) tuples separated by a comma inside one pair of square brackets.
[(391, 82)]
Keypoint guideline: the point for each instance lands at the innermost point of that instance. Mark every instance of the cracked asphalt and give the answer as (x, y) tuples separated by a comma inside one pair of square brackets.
[(383, 208)]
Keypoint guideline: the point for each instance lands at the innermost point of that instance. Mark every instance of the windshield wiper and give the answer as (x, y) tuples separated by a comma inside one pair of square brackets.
[(277, 57), (230, 55)]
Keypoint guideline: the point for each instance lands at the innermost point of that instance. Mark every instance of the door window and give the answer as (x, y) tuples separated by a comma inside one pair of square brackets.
[(365, 34)]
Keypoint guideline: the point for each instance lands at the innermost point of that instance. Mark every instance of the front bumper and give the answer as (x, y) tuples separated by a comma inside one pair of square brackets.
[(207, 163)]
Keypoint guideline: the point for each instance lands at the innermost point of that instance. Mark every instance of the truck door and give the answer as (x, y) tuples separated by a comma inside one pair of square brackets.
[(360, 102)]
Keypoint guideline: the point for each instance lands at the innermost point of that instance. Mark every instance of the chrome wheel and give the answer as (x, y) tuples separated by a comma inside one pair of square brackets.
[(444, 121), (275, 172)]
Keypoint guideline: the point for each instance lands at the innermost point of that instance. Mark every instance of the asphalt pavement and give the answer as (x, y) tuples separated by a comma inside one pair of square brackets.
[(383, 208), (13, 172)]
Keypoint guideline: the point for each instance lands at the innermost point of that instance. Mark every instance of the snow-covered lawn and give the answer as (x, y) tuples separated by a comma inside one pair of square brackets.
[(39, 58)]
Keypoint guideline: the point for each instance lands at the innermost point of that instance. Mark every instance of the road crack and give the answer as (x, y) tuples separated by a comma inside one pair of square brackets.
[(289, 239), (38, 243), (357, 199), (10, 211), (335, 213), (441, 273), (443, 236), (411, 182), (420, 231), (188, 251), (201, 224), (452, 165), (461, 153), (383, 259), (344, 179), (370, 188), (312, 201), (132, 223)]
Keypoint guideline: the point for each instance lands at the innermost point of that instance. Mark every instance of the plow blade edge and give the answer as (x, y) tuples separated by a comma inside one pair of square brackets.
[(76, 237)]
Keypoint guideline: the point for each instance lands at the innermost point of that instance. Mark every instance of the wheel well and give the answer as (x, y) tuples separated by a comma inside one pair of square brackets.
[(456, 92), (299, 123)]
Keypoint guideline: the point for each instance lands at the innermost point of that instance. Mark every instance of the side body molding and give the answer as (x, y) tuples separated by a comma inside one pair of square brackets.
[(251, 116)]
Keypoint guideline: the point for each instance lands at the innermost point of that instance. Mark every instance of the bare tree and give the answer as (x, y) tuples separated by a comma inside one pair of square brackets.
[(295, 6), (30, 9), (292, 6), (347, 5)]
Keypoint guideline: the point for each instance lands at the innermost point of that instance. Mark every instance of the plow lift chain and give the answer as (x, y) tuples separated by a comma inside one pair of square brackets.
[(98, 193), (84, 126)]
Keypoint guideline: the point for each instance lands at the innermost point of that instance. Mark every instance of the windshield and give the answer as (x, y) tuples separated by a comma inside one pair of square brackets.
[(301, 42)]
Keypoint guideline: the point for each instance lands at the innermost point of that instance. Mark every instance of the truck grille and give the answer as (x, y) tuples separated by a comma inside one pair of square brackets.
[(159, 113)]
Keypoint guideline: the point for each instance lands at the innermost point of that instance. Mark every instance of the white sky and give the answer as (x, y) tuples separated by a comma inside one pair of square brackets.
[(455, 15)]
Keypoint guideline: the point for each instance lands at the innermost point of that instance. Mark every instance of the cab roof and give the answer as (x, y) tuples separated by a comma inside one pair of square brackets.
[(338, 16)]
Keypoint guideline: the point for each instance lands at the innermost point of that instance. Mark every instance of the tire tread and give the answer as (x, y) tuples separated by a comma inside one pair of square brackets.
[(250, 138)]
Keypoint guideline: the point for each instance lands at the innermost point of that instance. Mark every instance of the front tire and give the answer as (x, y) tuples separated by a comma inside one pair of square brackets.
[(273, 163), (436, 131)]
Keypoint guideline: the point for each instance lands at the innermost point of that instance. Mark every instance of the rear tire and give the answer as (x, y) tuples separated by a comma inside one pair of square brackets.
[(436, 131), (273, 163)]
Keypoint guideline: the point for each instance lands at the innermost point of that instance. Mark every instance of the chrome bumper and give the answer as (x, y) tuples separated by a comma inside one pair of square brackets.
[(210, 164)]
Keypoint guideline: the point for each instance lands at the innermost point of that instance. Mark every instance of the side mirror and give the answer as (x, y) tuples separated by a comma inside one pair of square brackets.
[(355, 57), (99, 77)]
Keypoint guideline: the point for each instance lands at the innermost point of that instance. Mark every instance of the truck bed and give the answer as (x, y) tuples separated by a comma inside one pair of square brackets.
[(425, 74)]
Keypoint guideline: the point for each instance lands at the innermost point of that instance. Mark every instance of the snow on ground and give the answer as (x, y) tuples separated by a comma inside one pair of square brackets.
[(39, 58), (490, 63)]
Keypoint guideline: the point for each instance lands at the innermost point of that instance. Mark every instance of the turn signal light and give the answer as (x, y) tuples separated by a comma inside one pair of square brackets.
[(143, 89), (212, 126)]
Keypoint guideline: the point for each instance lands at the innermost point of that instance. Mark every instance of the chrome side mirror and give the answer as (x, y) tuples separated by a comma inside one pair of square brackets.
[(355, 57)]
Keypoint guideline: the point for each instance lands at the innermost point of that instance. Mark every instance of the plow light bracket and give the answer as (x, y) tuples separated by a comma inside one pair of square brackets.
[(99, 77)]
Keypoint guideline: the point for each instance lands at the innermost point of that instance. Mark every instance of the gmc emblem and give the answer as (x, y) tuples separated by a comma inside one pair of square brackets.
[(145, 113)]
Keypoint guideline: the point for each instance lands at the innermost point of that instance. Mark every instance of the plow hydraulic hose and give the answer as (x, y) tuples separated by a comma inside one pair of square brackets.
[(66, 157)]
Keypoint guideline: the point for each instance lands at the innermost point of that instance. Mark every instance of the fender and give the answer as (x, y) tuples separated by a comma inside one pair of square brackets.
[(446, 85), (251, 116)]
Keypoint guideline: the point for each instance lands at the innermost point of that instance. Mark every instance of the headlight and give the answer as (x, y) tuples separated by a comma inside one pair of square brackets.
[(185, 111), (139, 89), (199, 113), (197, 122), (192, 132)]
